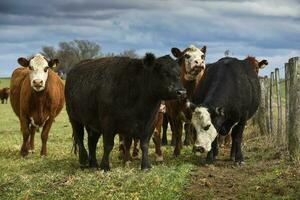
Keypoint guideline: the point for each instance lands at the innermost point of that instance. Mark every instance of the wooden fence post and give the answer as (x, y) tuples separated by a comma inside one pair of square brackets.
[(261, 114), (287, 93), (294, 109), (279, 108), (267, 85), (271, 102)]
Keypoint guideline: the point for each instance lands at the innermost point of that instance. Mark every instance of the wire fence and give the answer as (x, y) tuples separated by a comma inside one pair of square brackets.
[(279, 111)]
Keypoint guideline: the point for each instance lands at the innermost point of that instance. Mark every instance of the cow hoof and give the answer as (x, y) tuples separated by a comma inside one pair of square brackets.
[(93, 164), (240, 163), (24, 153), (159, 158), (146, 167), (164, 143)]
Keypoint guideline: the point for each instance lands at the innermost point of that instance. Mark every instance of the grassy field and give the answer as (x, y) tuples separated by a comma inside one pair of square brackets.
[(266, 175)]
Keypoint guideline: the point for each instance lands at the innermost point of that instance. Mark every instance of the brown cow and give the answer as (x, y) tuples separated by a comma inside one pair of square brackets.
[(4, 94), (192, 62), (37, 97), (257, 65)]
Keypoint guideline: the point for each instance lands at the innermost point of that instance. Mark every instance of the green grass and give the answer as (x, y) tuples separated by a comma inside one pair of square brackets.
[(58, 175), (4, 82)]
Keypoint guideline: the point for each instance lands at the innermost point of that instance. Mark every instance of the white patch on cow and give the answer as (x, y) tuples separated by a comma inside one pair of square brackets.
[(38, 75), (201, 119), (194, 62)]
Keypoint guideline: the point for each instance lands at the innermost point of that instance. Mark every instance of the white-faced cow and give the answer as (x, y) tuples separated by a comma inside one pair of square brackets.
[(227, 96), (118, 95), (37, 97), (192, 65)]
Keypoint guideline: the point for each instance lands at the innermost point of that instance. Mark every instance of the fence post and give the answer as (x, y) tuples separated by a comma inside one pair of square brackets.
[(279, 121), (271, 102), (287, 93), (261, 112), (267, 85), (294, 108)]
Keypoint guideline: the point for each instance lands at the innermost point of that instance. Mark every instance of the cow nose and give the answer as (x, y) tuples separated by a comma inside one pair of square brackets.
[(38, 82), (198, 149), (181, 93)]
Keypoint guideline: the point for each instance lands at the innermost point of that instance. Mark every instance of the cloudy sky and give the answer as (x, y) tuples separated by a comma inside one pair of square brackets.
[(268, 29)]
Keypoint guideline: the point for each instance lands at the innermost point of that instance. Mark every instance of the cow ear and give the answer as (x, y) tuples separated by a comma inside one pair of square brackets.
[(176, 52), (262, 64), (190, 105), (204, 49), (149, 60), (23, 62), (53, 63), (220, 111)]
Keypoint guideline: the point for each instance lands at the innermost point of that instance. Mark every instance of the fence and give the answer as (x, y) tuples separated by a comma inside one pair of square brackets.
[(279, 111)]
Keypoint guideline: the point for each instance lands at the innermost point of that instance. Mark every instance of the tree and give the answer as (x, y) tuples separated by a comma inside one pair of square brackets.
[(129, 53), (226, 53), (70, 53)]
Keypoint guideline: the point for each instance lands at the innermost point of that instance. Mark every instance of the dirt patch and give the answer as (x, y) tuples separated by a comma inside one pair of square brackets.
[(266, 174)]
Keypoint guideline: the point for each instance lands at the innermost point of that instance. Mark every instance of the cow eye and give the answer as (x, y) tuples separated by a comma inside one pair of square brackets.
[(46, 69), (187, 56), (206, 127), (202, 57)]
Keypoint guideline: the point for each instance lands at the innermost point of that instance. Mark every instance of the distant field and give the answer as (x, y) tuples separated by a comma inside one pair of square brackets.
[(4, 82), (266, 175)]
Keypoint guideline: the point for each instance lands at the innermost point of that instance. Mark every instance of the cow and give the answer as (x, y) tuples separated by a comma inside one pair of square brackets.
[(4, 94), (37, 97), (121, 95), (257, 65), (192, 64), (226, 97)]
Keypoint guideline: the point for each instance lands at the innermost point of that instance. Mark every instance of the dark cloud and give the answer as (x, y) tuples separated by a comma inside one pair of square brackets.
[(260, 27)]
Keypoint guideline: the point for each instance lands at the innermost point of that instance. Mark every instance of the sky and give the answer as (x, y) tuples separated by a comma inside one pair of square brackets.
[(267, 29)]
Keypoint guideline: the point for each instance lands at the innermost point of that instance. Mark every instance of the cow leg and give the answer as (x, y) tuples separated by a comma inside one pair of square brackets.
[(178, 135), (237, 136), (164, 140), (144, 143), (93, 138), (188, 134), (108, 144), (44, 135), (127, 156), (26, 133), (158, 152), (31, 141), (78, 134), (121, 147), (211, 155), (135, 152)]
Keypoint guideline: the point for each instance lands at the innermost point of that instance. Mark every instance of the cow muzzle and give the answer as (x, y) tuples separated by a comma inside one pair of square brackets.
[(198, 149), (38, 85)]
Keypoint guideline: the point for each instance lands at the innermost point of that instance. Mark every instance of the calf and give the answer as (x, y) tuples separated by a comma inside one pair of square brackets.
[(227, 96), (37, 97), (118, 95), (4, 94)]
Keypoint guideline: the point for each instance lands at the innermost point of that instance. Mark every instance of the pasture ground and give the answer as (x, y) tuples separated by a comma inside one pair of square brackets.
[(267, 173)]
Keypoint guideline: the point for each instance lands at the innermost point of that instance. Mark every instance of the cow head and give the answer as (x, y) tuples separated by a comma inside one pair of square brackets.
[(38, 70), (165, 73), (257, 65), (204, 122), (193, 60)]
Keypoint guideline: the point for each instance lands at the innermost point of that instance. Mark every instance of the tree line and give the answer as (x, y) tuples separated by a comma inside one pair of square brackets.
[(70, 53)]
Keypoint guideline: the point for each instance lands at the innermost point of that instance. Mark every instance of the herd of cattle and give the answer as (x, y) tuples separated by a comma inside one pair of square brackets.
[(134, 98)]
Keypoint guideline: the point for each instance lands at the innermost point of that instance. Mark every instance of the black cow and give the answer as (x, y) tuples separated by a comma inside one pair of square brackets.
[(227, 96), (118, 95)]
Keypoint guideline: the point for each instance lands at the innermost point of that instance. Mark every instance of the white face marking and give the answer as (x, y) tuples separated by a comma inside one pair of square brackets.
[(201, 121), (194, 62), (37, 74)]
